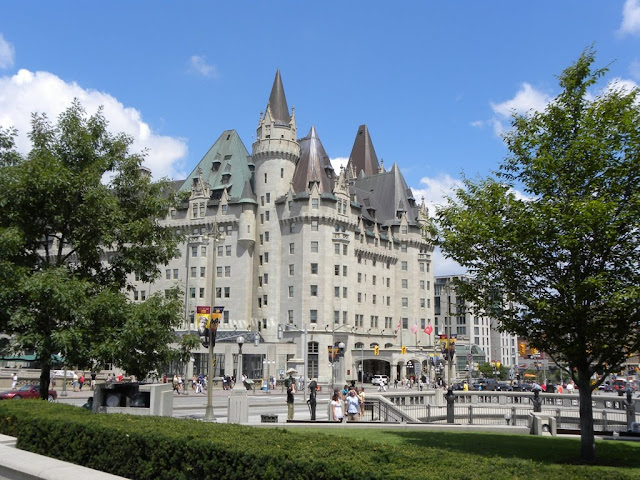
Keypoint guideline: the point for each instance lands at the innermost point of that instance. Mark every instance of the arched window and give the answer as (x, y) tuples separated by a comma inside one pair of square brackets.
[(359, 345), (388, 345), (374, 344)]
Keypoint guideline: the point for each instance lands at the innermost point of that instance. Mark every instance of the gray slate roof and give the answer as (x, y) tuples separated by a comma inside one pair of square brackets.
[(314, 165)]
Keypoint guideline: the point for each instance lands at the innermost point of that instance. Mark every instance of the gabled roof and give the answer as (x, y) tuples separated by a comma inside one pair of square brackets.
[(278, 102), (226, 158), (386, 194), (314, 165), (363, 156)]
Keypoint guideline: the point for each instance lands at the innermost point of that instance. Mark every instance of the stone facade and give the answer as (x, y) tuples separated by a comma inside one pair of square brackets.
[(304, 258)]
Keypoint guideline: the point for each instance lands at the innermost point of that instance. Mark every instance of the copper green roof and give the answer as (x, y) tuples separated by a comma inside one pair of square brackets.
[(225, 165)]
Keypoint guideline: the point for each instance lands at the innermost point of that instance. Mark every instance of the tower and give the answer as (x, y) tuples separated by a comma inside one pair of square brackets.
[(275, 154)]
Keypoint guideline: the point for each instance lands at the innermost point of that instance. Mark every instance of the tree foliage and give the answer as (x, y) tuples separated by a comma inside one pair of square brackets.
[(559, 265), (79, 219)]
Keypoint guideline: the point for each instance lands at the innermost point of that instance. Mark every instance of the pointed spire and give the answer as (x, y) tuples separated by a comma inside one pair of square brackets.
[(278, 102), (363, 156), (314, 165)]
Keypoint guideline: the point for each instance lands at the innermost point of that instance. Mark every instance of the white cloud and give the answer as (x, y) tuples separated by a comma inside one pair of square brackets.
[(338, 163), (478, 124), (7, 53), (27, 92), (527, 99), (435, 190), (199, 64), (630, 18), (621, 84)]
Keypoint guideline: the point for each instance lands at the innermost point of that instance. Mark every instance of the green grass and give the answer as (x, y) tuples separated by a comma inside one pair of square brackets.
[(488, 455)]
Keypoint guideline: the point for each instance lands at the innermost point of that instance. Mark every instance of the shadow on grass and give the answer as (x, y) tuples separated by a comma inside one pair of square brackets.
[(548, 450)]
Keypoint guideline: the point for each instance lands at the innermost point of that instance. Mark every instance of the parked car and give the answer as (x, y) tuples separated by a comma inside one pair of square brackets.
[(27, 391), (377, 379), (605, 387), (522, 387), (504, 387), (488, 384)]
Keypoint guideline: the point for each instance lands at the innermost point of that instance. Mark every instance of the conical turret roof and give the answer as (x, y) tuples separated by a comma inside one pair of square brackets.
[(314, 165), (363, 156), (278, 102)]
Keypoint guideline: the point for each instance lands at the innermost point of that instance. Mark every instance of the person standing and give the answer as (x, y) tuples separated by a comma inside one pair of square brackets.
[(14, 381), (93, 380), (336, 408), (361, 397), (353, 405), (291, 390), (75, 381), (313, 390)]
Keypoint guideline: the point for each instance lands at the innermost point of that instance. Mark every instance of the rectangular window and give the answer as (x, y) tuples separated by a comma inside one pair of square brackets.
[(227, 249), (359, 277), (201, 292), (423, 303), (313, 316), (314, 225), (403, 248), (167, 274), (290, 316), (194, 251), (290, 291), (290, 205), (261, 240), (405, 323), (314, 269), (336, 269), (203, 251), (265, 178), (224, 209), (291, 270), (336, 292), (220, 250), (359, 297), (336, 316), (421, 267), (405, 266), (218, 292), (225, 316), (344, 317), (373, 279), (314, 290), (261, 218), (135, 295), (374, 299), (192, 292), (314, 247), (336, 248), (227, 292), (405, 283), (345, 249), (403, 229), (315, 202), (292, 228), (344, 270), (203, 272), (143, 295), (266, 257), (175, 273), (262, 201), (405, 302), (266, 215), (344, 292), (265, 300), (421, 284), (266, 278), (219, 272), (268, 198), (291, 248), (193, 272), (266, 236)]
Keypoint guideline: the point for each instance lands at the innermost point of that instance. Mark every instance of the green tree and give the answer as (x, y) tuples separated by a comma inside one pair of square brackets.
[(566, 258), (79, 218)]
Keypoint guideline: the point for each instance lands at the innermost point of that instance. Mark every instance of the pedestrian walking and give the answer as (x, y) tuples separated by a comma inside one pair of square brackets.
[(336, 408), (14, 381), (353, 405)]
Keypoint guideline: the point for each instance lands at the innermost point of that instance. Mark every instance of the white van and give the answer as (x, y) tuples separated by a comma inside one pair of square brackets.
[(378, 379)]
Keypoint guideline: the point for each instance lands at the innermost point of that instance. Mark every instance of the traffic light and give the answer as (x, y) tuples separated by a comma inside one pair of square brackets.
[(522, 348), (534, 351), (376, 350), (403, 349)]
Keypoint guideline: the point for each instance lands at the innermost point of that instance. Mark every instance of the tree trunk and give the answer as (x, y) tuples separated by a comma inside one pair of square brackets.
[(45, 372), (587, 438)]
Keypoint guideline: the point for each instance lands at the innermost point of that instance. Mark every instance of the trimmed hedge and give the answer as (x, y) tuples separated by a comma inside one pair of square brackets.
[(157, 448), (141, 448)]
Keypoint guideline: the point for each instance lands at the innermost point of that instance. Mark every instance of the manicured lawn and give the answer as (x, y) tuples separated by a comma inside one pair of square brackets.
[(486, 455)]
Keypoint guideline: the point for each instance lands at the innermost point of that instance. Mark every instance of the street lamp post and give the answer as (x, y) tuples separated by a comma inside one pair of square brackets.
[(215, 235), (238, 406), (281, 329), (239, 385)]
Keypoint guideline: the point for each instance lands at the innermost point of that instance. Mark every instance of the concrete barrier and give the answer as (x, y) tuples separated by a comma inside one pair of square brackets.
[(16, 464)]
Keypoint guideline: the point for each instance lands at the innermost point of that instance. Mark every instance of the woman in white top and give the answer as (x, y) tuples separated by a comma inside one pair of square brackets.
[(336, 408)]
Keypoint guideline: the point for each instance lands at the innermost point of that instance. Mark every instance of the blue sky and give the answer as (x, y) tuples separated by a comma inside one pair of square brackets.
[(434, 81)]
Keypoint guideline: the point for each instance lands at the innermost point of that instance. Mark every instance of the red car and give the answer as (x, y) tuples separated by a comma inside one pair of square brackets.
[(27, 391)]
